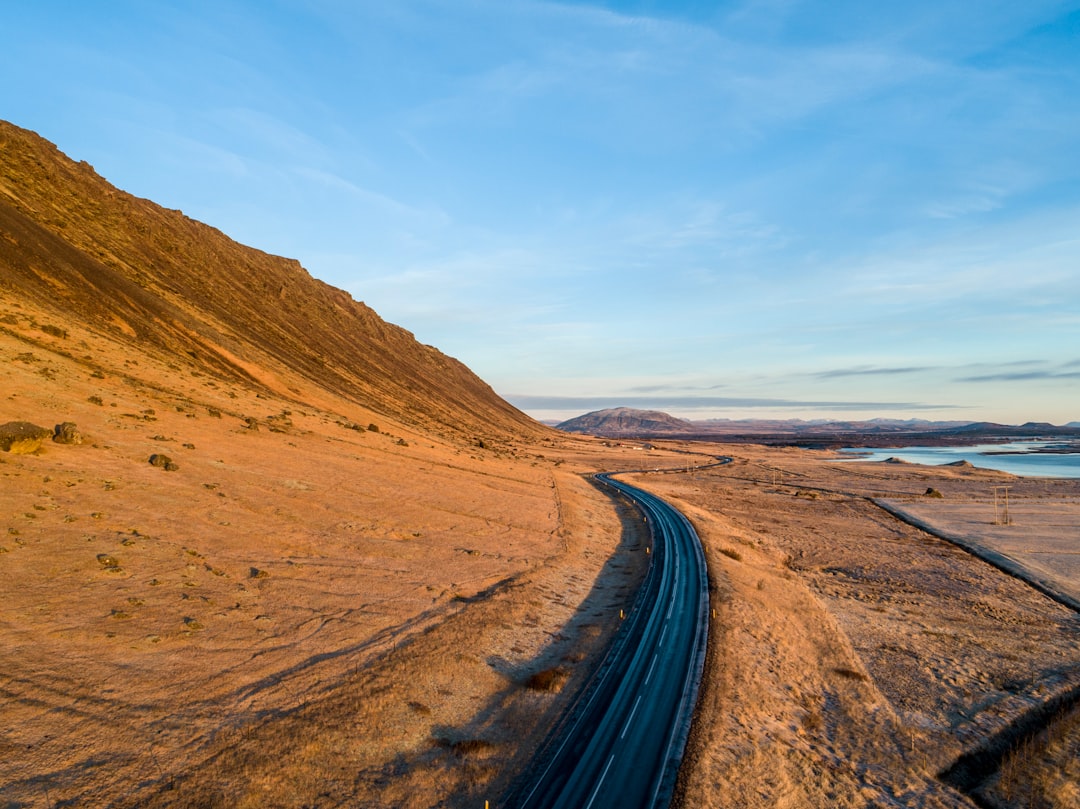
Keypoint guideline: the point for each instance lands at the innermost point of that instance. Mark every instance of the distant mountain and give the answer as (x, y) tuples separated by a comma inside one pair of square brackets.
[(166, 284), (625, 422)]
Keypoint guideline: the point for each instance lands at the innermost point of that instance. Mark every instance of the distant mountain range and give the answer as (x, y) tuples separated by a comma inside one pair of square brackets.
[(625, 422)]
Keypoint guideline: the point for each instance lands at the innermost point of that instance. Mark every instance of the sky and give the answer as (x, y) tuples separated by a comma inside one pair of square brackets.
[(749, 209)]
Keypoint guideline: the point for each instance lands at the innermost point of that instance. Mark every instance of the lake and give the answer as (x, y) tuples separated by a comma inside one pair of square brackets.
[(1028, 461)]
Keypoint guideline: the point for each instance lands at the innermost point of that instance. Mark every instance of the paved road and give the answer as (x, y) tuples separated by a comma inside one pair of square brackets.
[(622, 742)]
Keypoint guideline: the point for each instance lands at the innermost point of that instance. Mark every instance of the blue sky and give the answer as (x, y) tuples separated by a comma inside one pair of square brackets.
[(767, 208)]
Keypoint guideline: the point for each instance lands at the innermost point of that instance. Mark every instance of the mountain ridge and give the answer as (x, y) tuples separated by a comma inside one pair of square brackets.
[(74, 244), (625, 422)]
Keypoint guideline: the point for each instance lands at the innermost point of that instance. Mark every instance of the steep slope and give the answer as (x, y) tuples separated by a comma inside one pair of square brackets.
[(622, 422), (72, 243)]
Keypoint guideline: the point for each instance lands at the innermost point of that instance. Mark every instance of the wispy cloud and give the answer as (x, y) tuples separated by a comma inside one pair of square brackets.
[(374, 199), (863, 371), (1023, 376)]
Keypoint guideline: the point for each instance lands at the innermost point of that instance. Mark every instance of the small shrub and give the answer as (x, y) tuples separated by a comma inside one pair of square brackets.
[(548, 680), (932, 492), (812, 720), (464, 747), (55, 331), (731, 553), (850, 674), (373, 428)]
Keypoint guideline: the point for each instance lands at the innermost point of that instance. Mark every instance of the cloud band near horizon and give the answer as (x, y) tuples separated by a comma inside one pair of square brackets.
[(590, 403)]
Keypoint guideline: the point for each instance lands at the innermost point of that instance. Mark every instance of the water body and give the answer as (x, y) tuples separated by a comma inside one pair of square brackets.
[(1028, 458)]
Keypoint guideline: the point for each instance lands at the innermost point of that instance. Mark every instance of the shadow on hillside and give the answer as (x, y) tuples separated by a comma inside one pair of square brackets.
[(483, 758)]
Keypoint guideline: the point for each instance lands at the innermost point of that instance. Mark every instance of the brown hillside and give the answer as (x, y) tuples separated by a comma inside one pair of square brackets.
[(72, 243), (257, 546)]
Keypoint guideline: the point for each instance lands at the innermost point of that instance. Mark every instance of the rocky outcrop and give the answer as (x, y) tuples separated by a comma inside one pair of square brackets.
[(22, 437)]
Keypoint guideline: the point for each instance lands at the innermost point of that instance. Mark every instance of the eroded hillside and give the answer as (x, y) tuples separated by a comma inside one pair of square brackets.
[(72, 244)]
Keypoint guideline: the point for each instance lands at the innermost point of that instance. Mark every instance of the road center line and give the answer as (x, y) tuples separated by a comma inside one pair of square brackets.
[(630, 718), (648, 676)]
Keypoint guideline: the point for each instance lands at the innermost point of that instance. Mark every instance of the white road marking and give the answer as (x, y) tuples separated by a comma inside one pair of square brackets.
[(648, 676), (600, 783), (630, 718)]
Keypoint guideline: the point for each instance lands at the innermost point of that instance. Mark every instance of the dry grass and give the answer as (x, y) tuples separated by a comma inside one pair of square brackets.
[(413, 586), (852, 656), (294, 611), (1043, 773), (548, 679)]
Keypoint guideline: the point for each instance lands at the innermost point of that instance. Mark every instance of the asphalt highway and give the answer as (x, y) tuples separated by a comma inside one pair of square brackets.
[(622, 742)]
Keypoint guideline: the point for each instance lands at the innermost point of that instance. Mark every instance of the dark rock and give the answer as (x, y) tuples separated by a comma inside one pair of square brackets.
[(67, 433), (22, 437), (164, 461)]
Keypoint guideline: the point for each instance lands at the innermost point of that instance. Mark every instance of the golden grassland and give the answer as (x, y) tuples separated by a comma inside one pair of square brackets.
[(319, 604), (311, 612), (855, 657)]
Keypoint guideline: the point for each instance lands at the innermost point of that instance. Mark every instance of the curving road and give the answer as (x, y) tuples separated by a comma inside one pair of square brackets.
[(622, 742)]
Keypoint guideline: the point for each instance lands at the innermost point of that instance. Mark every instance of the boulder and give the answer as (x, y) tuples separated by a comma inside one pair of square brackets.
[(22, 437), (164, 461), (67, 433)]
